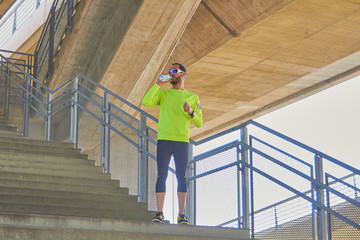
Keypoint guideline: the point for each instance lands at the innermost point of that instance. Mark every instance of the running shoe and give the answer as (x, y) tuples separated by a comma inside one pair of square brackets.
[(182, 219), (159, 217)]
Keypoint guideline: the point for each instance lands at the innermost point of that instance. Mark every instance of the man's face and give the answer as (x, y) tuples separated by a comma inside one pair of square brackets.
[(176, 77)]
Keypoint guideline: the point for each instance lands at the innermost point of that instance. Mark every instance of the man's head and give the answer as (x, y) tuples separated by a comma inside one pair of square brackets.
[(178, 73)]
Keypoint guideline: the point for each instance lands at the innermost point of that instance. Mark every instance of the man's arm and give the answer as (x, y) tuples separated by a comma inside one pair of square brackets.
[(197, 119), (151, 98), (195, 113)]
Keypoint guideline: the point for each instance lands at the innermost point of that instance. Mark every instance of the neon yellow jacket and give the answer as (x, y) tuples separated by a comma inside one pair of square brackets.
[(174, 122)]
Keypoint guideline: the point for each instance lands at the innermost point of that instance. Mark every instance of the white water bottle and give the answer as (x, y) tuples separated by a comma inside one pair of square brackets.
[(165, 77)]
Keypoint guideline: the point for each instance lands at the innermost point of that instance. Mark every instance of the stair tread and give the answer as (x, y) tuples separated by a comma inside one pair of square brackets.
[(120, 225), (103, 206), (30, 148), (57, 179), (107, 198), (63, 187), (31, 141), (58, 193), (31, 156), (48, 165), (34, 151), (52, 169)]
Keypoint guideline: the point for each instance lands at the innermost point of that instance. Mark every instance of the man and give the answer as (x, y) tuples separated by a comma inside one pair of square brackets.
[(177, 108)]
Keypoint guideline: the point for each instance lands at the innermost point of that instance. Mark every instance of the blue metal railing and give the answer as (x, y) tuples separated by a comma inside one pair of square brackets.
[(59, 20), (54, 29), (312, 171), (45, 103), (78, 97)]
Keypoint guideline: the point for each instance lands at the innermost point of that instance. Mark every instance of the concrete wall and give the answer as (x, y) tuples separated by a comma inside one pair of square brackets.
[(99, 28)]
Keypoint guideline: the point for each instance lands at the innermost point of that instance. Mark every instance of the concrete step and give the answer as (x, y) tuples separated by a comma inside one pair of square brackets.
[(100, 181), (6, 123), (7, 133), (75, 195), (30, 226), (25, 140), (48, 152), (32, 146), (62, 186), (59, 210), (107, 202), (14, 156), (8, 127), (94, 174), (36, 204), (48, 165), (3, 121)]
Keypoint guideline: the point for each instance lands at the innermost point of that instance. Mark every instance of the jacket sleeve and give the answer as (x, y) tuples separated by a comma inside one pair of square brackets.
[(197, 120), (152, 98)]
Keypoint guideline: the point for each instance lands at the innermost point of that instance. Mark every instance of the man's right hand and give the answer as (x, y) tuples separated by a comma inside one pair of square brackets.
[(159, 82)]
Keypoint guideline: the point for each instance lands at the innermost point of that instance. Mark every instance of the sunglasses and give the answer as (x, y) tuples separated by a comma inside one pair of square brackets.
[(175, 71)]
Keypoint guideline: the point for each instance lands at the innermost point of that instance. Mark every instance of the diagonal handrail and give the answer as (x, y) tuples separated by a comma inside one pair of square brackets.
[(317, 184)]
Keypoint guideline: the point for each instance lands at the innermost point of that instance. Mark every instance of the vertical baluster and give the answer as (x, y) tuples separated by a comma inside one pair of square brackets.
[(143, 162), (105, 135), (26, 107), (7, 92), (48, 117), (74, 113), (321, 220), (245, 180), (191, 193), (70, 12)]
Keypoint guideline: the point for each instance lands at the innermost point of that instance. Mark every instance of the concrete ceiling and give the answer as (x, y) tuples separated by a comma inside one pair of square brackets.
[(247, 58)]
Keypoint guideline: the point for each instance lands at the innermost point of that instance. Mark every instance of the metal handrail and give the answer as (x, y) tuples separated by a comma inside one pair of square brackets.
[(47, 91), (317, 184), (51, 28)]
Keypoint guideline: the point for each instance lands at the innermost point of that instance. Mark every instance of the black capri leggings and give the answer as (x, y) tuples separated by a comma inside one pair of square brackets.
[(165, 149)]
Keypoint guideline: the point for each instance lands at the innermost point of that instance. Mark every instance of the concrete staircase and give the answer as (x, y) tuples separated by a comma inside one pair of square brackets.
[(49, 190)]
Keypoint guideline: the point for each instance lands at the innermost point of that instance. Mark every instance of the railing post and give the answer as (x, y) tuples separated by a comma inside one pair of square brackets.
[(48, 117), (1, 78), (105, 135), (70, 12), (35, 70), (143, 162), (74, 113), (239, 188), (51, 41), (276, 218), (26, 107), (7, 92), (14, 22), (191, 193), (321, 219), (355, 191), (245, 180), (328, 205)]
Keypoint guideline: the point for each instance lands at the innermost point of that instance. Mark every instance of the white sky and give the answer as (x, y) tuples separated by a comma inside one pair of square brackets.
[(328, 121)]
